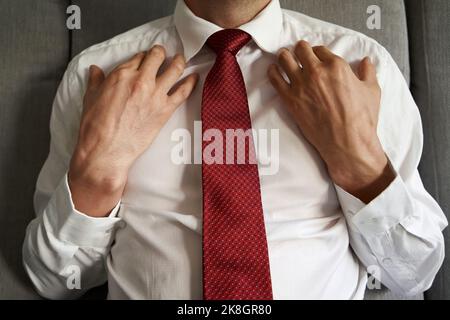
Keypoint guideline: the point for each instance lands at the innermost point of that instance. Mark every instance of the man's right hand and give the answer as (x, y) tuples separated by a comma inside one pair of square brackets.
[(122, 115)]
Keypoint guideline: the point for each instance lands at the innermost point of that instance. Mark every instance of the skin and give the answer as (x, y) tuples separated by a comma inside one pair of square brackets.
[(227, 14), (337, 111), (122, 115), (125, 110)]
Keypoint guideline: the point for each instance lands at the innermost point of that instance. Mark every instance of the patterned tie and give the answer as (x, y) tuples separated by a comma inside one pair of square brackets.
[(235, 254)]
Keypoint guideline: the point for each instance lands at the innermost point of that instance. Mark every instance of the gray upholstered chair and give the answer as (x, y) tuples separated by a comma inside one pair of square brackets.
[(35, 48)]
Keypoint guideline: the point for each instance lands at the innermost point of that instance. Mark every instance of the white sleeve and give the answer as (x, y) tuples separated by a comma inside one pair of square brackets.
[(399, 232), (64, 250)]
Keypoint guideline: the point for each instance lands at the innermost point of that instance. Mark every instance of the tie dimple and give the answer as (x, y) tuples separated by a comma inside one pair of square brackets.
[(231, 40)]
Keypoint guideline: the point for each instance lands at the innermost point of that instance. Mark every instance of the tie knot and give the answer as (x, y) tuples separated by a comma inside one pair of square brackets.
[(231, 40)]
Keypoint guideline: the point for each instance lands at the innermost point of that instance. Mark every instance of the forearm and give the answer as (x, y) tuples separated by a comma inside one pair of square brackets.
[(95, 193), (366, 176)]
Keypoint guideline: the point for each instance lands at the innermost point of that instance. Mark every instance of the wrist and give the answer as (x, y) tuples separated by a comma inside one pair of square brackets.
[(94, 196), (95, 189), (363, 177), (98, 175), (97, 184)]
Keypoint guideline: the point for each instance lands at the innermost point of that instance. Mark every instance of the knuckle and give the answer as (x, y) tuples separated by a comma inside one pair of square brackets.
[(302, 44), (284, 55), (183, 92), (179, 65), (121, 74), (319, 48), (336, 66), (139, 55), (140, 86), (337, 62), (316, 73), (158, 52)]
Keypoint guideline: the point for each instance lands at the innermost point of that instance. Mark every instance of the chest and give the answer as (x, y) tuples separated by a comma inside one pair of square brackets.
[(294, 180)]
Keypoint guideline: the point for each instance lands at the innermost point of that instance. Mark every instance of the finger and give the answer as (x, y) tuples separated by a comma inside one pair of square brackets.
[(152, 62), (172, 74), (324, 54), (367, 71), (277, 80), (96, 77), (289, 65), (183, 90), (133, 63), (306, 55)]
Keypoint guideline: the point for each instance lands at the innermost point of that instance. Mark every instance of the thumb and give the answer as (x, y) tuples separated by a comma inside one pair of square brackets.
[(367, 71), (96, 77)]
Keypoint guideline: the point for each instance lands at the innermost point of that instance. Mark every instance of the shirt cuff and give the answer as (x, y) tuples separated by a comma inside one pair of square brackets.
[(390, 208), (70, 225)]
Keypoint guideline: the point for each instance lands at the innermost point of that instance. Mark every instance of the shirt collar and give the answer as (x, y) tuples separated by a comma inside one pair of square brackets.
[(265, 28)]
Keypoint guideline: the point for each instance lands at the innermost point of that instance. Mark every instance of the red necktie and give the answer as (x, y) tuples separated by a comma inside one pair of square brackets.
[(235, 255)]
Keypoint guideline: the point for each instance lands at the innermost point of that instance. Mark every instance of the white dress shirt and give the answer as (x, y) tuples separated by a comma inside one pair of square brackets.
[(321, 239)]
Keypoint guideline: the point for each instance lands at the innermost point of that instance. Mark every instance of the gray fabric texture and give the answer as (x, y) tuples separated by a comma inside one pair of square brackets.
[(429, 29), (104, 19), (34, 51), (353, 14), (36, 47)]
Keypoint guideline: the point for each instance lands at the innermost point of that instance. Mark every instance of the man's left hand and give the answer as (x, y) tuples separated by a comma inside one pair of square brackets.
[(337, 112)]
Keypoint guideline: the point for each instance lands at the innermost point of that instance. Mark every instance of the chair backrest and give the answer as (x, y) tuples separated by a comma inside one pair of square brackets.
[(429, 35), (34, 51)]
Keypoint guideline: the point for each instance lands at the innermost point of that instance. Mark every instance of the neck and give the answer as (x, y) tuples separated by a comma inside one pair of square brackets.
[(227, 14)]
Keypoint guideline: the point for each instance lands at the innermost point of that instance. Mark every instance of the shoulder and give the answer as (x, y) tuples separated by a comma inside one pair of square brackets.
[(319, 30), (120, 48), (347, 43)]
